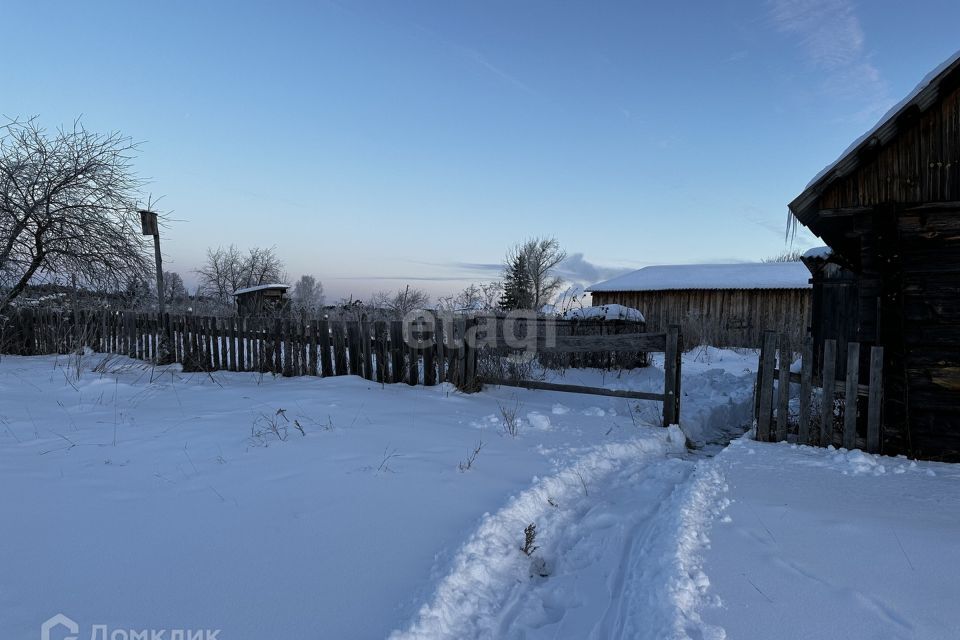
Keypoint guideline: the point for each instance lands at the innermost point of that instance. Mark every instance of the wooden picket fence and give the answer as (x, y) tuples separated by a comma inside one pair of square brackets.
[(284, 346), (861, 420)]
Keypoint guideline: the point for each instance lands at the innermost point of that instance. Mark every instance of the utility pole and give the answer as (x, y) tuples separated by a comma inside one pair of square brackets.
[(148, 222)]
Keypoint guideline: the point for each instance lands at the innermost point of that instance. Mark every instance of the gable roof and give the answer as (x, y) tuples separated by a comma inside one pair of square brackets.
[(260, 287), (925, 94), (753, 275)]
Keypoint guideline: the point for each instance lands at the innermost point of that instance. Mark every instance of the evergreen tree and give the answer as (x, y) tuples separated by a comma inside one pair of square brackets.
[(517, 292)]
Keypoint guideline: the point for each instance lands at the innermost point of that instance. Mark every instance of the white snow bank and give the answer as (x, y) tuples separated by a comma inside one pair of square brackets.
[(761, 275), (605, 312), (835, 544)]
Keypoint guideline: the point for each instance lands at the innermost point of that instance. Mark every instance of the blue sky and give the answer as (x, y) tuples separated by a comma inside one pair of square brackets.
[(379, 143)]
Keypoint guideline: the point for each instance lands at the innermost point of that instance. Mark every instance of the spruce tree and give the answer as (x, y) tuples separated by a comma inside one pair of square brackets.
[(516, 285)]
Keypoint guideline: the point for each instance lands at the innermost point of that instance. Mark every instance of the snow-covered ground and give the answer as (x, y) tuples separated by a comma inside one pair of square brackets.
[(142, 498), (832, 544)]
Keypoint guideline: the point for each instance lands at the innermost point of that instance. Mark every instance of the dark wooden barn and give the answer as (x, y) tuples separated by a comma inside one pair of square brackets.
[(889, 210), (724, 305), (264, 299)]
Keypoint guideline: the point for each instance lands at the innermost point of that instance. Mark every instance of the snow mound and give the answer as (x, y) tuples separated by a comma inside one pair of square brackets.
[(539, 421), (821, 253), (605, 312)]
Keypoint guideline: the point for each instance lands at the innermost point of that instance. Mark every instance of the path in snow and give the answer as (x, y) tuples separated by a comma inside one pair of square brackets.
[(620, 528)]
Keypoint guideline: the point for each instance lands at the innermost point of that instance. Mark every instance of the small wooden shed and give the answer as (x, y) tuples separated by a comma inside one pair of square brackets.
[(724, 305), (889, 210), (262, 299)]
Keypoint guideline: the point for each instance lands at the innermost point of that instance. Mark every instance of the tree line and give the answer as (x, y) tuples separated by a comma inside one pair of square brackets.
[(69, 202)]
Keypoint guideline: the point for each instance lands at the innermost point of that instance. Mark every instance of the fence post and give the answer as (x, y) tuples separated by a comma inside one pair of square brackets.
[(875, 400), (323, 337), (215, 356), (413, 351), (396, 350), (806, 383), (365, 344), (670, 376), (828, 381), (765, 412), (850, 401), (353, 346), (428, 350), (340, 348), (438, 345), (470, 356), (783, 404)]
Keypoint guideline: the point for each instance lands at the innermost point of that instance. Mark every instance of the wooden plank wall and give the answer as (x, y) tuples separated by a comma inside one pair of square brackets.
[(720, 317)]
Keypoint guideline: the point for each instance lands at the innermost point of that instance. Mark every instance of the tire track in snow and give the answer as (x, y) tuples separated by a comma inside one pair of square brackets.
[(629, 522), (666, 586)]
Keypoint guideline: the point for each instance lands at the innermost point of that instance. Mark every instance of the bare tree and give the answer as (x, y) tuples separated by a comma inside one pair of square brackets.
[(229, 269), (400, 303), (307, 295), (483, 296), (174, 291), (67, 208), (539, 257)]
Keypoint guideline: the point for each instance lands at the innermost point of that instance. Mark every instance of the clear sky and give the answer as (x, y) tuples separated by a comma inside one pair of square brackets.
[(379, 143)]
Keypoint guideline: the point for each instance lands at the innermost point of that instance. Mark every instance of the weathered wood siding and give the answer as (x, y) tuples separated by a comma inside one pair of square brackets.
[(922, 164), (896, 220), (720, 317), (930, 273)]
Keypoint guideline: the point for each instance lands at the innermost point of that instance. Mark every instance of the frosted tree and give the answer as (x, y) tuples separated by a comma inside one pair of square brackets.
[(68, 208), (228, 269), (307, 296)]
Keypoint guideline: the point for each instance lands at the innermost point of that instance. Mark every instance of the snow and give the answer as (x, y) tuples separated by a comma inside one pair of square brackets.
[(892, 113), (146, 498), (820, 253), (765, 275), (835, 544), (605, 312), (260, 287), (149, 498)]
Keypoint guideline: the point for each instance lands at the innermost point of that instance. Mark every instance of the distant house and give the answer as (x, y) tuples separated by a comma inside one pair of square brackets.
[(263, 299), (728, 305), (889, 209)]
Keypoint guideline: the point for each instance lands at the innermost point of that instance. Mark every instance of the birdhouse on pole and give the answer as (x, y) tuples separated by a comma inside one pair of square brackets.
[(148, 221)]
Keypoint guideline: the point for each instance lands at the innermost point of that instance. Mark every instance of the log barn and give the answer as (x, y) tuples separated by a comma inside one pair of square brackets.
[(724, 305), (889, 211)]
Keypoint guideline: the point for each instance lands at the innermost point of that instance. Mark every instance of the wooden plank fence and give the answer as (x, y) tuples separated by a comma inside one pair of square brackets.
[(377, 351), (860, 404)]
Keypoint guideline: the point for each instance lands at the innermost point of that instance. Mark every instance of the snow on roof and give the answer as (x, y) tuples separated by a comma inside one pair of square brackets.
[(756, 275), (821, 253), (889, 115), (605, 312), (260, 287)]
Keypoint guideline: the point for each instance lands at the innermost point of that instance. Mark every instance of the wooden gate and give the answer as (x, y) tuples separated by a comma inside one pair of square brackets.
[(670, 343), (841, 418)]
